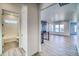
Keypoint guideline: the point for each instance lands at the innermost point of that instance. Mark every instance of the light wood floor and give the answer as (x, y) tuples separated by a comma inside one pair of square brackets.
[(12, 49), (10, 45), (56, 46), (59, 46)]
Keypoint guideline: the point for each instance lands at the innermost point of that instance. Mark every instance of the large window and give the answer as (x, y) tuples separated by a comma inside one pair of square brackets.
[(61, 27), (57, 28), (50, 28), (75, 28)]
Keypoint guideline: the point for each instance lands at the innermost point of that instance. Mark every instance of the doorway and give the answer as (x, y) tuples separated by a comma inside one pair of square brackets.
[(10, 31)]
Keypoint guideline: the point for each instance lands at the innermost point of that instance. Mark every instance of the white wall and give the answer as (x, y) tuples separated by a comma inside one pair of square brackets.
[(33, 29), (10, 28), (30, 28), (77, 14), (23, 40), (11, 7)]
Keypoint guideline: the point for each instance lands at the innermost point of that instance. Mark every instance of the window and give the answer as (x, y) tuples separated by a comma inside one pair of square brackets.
[(75, 28), (57, 28), (61, 27), (50, 28)]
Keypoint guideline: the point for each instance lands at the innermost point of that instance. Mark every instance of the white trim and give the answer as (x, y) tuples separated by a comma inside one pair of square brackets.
[(1, 33), (39, 18), (39, 31)]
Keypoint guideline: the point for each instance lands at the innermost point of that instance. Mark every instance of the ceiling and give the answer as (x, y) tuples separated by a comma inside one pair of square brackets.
[(57, 13)]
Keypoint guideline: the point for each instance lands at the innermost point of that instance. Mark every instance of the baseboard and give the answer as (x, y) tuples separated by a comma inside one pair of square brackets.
[(60, 34), (36, 54), (23, 51)]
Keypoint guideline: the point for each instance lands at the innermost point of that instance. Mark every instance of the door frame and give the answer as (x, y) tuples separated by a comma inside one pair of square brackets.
[(18, 17), (1, 31)]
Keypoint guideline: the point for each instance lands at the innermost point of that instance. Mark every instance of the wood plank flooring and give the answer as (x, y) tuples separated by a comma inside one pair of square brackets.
[(14, 52), (59, 46), (10, 45), (12, 49), (56, 46)]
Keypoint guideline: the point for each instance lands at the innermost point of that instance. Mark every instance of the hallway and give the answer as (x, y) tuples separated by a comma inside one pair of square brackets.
[(59, 46)]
